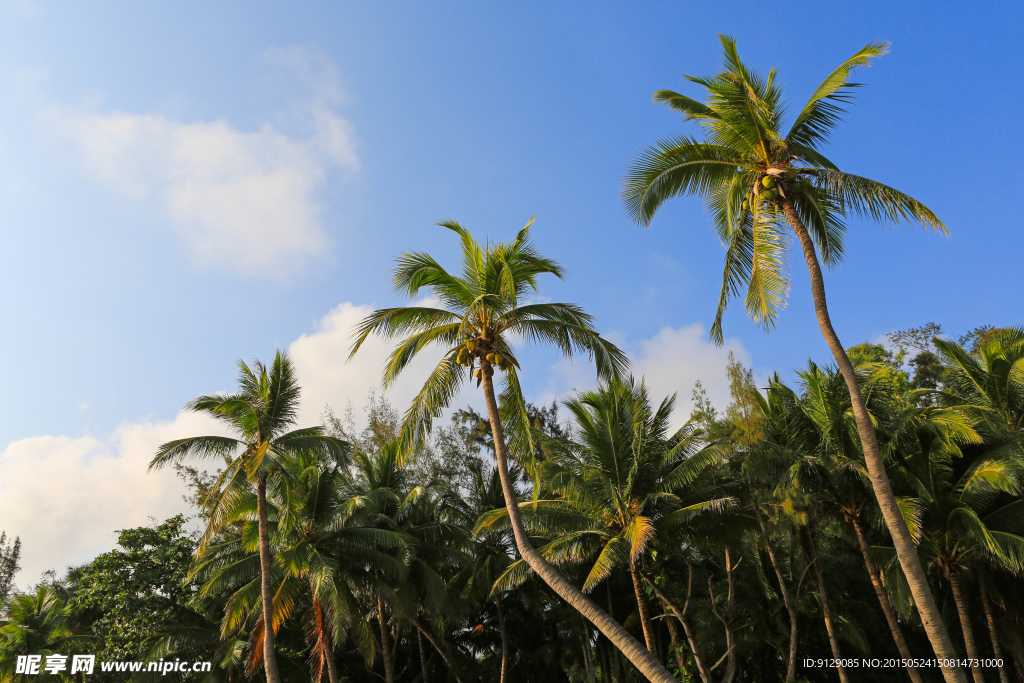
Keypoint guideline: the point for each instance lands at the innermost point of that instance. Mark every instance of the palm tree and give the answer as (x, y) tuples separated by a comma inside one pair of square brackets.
[(973, 512), (482, 310), (259, 412), (35, 625), (491, 550), (619, 487), (755, 180)]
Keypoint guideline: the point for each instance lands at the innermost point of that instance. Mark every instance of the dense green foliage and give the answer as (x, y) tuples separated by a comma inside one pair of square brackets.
[(694, 538)]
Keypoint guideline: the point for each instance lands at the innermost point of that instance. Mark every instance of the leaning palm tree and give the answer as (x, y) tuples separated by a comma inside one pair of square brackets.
[(264, 406), (756, 180), (482, 311), (621, 487)]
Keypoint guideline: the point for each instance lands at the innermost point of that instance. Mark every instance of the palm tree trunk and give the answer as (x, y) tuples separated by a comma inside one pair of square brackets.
[(588, 656), (993, 632), (906, 551), (504, 642), (641, 604), (332, 669), (883, 598), (266, 589), (426, 634), (791, 658), (811, 558), (642, 658), (614, 654), (965, 622), (385, 641), (423, 657)]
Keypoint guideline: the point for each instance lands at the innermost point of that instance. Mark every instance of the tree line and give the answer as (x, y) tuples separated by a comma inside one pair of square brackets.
[(864, 510)]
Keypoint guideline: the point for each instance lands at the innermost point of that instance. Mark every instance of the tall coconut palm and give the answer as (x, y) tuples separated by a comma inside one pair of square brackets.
[(756, 180), (482, 311), (258, 413), (619, 487)]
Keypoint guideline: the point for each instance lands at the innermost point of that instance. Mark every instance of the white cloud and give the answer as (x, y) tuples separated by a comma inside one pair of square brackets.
[(670, 362), (327, 377), (67, 496), (243, 200), (675, 358)]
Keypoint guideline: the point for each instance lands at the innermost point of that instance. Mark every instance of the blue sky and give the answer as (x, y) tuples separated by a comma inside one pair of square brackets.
[(185, 184)]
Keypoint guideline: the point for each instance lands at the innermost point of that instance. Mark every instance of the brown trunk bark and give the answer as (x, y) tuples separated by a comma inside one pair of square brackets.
[(616, 656), (965, 622), (423, 657), (791, 658), (606, 662), (674, 644), (811, 557), (883, 597), (680, 615), (588, 657), (641, 605), (448, 662), (993, 632), (906, 551), (385, 641), (504, 642), (266, 588), (642, 658), (726, 619)]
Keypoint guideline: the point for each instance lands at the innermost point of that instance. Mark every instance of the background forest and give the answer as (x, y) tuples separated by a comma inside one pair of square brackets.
[(764, 544)]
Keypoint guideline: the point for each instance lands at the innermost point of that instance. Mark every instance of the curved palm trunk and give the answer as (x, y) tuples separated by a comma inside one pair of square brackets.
[(385, 641), (906, 551), (811, 558), (791, 658), (965, 622), (423, 657), (993, 632), (266, 589), (641, 605), (883, 597), (642, 658), (504, 642)]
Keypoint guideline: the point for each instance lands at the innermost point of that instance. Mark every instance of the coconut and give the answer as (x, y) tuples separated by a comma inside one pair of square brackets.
[(768, 181), (471, 345), (746, 205), (791, 174), (767, 195), (477, 374), (491, 357), (499, 359)]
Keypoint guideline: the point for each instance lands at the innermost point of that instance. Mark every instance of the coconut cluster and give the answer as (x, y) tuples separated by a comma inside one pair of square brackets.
[(769, 188), (475, 348)]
